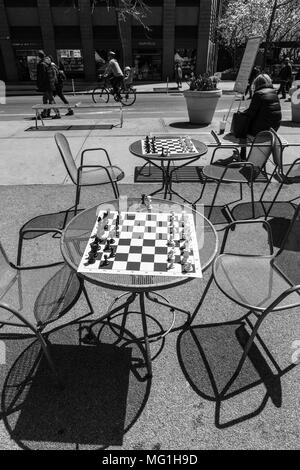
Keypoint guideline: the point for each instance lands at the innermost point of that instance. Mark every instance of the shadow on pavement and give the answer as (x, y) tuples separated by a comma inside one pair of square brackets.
[(208, 356), (102, 397)]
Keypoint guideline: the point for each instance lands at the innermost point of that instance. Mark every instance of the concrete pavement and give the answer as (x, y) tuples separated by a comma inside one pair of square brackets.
[(174, 410)]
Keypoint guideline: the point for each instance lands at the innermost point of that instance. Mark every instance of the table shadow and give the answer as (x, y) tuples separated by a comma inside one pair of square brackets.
[(101, 399)]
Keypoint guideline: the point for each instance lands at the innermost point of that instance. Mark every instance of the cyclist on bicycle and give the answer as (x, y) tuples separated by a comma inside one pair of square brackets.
[(114, 73)]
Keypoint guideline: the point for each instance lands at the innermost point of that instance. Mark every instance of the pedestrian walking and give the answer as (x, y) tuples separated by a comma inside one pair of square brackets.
[(254, 73), (285, 77), (178, 74), (46, 83), (61, 77)]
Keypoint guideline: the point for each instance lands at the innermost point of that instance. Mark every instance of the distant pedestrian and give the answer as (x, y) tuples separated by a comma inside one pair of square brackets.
[(46, 83), (254, 73), (285, 78), (178, 74), (61, 77)]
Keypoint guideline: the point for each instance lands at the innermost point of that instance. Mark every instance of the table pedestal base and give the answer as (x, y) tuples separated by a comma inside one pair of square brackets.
[(146, 339)]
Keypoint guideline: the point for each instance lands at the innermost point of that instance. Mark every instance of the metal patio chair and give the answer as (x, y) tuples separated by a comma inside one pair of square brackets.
[(241, 172), (285, 174), (33, 297), (88, 175), (262, 284)]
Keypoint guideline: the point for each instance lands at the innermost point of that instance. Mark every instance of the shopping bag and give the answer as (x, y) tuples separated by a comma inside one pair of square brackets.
[(239, 124)]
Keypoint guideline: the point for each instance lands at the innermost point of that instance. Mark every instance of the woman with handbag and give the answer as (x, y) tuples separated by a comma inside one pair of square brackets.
[(263, 113)]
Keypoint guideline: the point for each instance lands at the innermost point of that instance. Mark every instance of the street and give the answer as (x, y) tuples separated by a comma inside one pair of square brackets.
[(154, 105)]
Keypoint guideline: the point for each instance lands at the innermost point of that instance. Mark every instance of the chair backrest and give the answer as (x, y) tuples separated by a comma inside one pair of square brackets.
[(259, 154), (66, 154), (287, 260), (277, 150), (7, 272)]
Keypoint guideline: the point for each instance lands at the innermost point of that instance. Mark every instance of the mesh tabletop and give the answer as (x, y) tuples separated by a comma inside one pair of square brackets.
[(78, 231)]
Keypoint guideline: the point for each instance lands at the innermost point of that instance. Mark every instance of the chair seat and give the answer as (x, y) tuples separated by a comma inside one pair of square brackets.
[(233, 175), (41, 295), (252, 281), (294, 174), (92, 176)]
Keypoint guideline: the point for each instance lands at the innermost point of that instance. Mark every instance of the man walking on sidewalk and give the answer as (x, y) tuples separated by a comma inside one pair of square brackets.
[(46, 83)]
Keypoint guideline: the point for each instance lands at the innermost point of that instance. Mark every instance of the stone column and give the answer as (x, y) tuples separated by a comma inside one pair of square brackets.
[(87, 39), (46, 24), (168, 38), (6, 47), (206, 35)]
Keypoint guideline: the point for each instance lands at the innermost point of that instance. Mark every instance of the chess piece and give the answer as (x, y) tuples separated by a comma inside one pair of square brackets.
[(107, 246), (149, 203), (112, 252), (162, 152), (105, 262), (170, 255), (143, 202), (185, 257), (187, 267)]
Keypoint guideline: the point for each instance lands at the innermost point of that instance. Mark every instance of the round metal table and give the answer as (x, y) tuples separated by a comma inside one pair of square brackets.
[(163, 163), (76, 236)]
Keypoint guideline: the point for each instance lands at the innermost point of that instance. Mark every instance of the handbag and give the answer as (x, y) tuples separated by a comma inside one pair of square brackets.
[(239, 124)]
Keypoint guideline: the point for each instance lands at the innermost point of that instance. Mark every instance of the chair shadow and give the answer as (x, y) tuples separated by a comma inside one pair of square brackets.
[(208, 356), (279, 218), (103, 394)]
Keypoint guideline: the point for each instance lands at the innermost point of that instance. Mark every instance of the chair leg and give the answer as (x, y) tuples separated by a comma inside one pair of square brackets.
[(252, 200), (45, 348), (20, 246), (214, 199), (116, 190), (202, 191), (267, 185), (274, 199), (77, 198)]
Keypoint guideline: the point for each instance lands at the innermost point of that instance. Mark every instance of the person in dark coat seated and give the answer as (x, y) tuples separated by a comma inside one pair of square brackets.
[(263, 113), (264, 110)]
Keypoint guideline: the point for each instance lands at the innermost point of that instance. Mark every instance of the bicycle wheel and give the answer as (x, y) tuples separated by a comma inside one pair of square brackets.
[(128, 97), (100, 95)]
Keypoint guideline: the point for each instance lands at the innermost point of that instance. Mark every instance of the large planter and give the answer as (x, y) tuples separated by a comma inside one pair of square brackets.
[(201, 105)]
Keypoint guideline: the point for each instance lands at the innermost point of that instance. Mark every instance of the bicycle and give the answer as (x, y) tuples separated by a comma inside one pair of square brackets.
[(102, 92)]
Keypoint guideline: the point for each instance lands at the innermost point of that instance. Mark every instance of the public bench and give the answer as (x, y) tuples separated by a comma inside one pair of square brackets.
[(38, 108)]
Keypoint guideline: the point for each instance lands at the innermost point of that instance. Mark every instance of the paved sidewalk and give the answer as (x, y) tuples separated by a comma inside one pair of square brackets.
[(31, 157), (29, 88)]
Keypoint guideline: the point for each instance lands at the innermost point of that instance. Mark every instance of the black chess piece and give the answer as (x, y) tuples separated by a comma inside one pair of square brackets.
[(107, 245), (99, 219), (105, 262), (112, 252), (143, 198)]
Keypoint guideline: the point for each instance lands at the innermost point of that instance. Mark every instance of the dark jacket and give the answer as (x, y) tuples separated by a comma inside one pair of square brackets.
[(264, 111), (285, 73), (46, 79)]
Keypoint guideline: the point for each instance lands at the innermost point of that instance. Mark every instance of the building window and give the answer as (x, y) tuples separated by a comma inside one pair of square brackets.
[(20, 3), (64, 3), (187, 3), (72, 62)]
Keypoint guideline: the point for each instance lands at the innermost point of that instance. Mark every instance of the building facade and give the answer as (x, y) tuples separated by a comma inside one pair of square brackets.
[(80, 38)]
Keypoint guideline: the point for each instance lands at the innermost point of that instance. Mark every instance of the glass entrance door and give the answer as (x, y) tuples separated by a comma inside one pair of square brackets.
[(147, 65)]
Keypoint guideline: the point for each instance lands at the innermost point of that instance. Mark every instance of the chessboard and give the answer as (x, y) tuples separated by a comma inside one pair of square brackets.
[(143, 243), (166, 146)]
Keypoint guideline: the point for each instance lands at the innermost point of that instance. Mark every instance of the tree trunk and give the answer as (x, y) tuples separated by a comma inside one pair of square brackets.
[(268, 34)]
